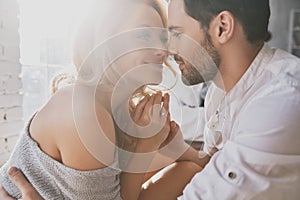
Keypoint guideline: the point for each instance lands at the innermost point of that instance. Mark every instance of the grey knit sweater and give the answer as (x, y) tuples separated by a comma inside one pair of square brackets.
[(54, 180)]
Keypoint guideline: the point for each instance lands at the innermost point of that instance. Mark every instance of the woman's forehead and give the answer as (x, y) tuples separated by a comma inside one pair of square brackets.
[(144, 15)]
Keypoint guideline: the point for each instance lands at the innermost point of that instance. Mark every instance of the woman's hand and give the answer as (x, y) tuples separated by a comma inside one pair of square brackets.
[(174, 145), (151, 127), (28, 192), (179, 150), (154, 120)]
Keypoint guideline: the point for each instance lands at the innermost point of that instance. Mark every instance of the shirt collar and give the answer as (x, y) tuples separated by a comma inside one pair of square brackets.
[(250, 76)]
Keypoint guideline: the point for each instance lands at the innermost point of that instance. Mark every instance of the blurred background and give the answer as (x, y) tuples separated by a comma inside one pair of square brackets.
[(36, 44)]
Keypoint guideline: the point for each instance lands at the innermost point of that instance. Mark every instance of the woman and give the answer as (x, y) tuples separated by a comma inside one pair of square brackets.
[(62, 163), (51, 153)]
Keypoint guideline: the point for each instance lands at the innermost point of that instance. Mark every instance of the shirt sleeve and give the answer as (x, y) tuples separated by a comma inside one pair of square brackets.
[(272, 123), (262, 159)]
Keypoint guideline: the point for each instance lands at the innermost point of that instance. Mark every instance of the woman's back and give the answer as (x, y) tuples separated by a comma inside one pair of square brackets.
[(54, 159), (54, 129)]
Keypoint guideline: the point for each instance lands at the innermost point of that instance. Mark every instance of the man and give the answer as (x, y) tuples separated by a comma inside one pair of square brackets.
[(253, 104), (252, 107)]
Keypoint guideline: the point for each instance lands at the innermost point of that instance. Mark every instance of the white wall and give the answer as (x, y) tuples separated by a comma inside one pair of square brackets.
[(10, 82), (279, 21)]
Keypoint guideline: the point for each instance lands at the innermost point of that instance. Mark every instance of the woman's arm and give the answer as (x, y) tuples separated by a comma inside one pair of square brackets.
[(148, 111), (198, 157), (170, 181), (177, 144)]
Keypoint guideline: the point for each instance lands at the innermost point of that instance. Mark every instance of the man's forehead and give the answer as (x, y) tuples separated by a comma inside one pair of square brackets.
[(176, 5), (176, 14), (178, 19)]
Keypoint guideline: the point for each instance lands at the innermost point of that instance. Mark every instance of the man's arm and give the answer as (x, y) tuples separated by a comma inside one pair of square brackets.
[(262, 159), (28, 192)]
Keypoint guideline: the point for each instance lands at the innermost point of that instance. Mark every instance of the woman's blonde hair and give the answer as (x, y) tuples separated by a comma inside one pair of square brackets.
[(85, 41)]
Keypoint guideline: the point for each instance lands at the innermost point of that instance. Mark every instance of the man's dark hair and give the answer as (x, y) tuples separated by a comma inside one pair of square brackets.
[(252, 14)]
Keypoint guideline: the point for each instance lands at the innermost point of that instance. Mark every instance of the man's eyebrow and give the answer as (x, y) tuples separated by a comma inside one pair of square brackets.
[(172, 28)]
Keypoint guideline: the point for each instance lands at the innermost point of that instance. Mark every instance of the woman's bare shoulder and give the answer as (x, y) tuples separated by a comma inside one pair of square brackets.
[(47, 122), (55, 112), (55, 130)]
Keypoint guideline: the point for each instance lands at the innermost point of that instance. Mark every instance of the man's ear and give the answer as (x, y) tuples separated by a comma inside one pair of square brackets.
[(222, 27)]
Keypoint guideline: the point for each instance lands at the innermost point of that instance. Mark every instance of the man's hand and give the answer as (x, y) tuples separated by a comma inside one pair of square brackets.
[(4, 195), (28, 192)]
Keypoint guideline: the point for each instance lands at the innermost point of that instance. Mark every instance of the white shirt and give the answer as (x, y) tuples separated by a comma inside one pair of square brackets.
[(257, 128), (186, 112)]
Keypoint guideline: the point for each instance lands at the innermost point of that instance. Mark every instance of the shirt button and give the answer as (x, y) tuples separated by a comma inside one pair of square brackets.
[(232, 175)]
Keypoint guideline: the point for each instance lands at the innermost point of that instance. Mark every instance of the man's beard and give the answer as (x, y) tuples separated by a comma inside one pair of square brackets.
[(205, 69)]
